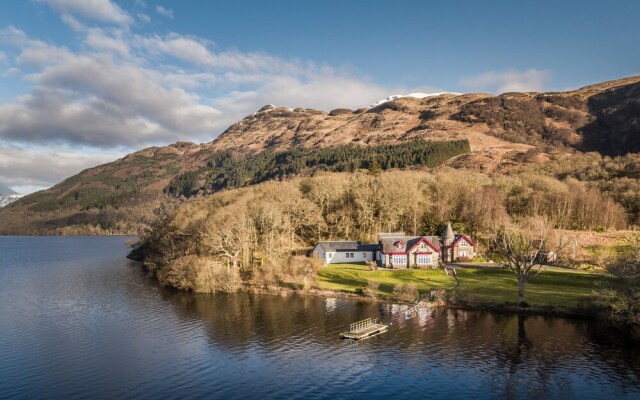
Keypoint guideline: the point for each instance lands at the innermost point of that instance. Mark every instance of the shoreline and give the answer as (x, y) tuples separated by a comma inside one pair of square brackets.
[(548, 311)]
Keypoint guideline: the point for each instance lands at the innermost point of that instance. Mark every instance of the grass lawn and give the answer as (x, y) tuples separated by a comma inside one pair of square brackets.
[(485, 285)]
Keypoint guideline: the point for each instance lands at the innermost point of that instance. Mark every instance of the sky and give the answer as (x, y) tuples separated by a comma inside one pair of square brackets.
[(85, 82)]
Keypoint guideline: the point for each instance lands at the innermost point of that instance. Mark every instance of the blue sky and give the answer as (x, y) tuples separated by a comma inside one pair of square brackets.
[(87, 81)]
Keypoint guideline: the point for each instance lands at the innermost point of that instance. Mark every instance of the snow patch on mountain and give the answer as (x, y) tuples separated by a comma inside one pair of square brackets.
[(6, 200), (417, 95)]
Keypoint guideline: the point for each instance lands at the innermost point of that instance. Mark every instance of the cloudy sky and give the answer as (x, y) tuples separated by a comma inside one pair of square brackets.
[(88, 81)]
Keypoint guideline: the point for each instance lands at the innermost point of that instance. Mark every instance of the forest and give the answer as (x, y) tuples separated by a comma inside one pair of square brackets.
[(253, 234), (225, 170)]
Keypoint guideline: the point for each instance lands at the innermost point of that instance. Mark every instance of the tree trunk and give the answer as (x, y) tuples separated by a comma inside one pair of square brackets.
[(521, 288)]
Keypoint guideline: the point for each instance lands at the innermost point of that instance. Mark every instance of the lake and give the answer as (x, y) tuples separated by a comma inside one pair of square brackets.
[(79, 320)]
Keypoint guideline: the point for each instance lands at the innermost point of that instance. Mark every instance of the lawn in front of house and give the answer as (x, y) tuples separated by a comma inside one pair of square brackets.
[(484, 285)]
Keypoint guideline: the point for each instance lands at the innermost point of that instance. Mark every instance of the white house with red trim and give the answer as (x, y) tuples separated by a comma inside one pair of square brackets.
[(400, 251), (456, 246)]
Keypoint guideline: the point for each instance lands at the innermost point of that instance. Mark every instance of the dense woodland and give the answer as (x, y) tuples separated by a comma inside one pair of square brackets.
[(255, 231), (225, 170)]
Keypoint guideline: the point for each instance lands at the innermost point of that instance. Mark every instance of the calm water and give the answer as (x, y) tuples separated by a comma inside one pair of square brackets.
[(78, 320)]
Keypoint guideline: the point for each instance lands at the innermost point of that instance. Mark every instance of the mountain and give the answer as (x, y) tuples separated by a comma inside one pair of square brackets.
[(5, 190), (503, 132), (417, 95), (5, 200), (7, 195)]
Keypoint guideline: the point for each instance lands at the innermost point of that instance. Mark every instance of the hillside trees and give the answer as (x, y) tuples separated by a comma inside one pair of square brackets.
[(225, 170), (257, 230)]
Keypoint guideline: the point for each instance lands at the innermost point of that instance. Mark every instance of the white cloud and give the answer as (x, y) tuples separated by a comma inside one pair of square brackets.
[(122, 89), (165, 12), (98, 40), (144, 17), (23, 168), (531, 80), (97, 10)]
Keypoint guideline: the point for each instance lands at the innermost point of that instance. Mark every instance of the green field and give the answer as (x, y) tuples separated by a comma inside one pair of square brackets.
[(483, 285)]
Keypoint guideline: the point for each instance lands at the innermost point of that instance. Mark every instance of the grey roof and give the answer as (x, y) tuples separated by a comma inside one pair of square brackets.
[(448, 234), (389, 244), (368, 247), (383, 235), (341, 246)]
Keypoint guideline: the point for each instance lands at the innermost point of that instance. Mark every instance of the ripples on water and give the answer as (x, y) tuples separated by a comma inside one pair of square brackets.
[(78, 320)]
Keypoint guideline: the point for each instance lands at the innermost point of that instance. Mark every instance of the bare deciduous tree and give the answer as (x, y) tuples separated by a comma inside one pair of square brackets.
[(526, 248)]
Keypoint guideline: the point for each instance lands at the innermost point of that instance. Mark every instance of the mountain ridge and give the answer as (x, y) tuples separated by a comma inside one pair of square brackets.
[(503, 131)]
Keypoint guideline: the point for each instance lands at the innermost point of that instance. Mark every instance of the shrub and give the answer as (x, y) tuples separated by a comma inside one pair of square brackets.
[(407, 293), (372, 288), (201, 275), (438, 296), (464, 259)]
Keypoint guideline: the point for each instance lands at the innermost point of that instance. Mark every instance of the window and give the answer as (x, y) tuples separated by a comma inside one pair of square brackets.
[(463, 243), (463, 254), (424, 259), (349, 255), (399, 259), (364, 255)]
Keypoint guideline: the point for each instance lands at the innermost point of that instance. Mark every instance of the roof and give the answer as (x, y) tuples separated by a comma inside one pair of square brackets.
[(339, 246), (465, 237), (448, 233), (383, 235), (404, 243)]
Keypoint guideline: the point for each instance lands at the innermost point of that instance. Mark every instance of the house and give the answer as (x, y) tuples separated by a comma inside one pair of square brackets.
[(400, 251), (344, 252), (456, 246)]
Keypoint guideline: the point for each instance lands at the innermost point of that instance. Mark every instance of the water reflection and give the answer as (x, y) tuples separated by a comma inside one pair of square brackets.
[(77, 320), (509, 355)]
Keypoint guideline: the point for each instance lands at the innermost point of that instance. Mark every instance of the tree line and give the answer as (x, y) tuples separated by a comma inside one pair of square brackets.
[(255, 231), (225, 170)]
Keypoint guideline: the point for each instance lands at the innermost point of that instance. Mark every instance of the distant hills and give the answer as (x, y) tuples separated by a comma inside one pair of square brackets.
[(7, 195), (502, 134)]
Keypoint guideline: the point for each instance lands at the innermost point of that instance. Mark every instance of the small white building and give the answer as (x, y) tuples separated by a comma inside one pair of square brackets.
[(344, 252)]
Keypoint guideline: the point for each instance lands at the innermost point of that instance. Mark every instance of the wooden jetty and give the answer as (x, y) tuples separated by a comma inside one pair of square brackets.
[(364, 329)]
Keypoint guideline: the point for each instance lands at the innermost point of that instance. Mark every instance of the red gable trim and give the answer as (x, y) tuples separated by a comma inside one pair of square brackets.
[(396, 253), (424, 240), (465, 237)]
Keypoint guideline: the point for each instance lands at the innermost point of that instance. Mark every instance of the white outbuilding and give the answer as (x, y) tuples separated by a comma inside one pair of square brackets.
[(344, 252)]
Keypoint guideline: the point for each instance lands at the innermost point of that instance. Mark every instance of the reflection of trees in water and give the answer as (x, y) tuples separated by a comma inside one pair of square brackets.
[(617, 348), (237, 319), (518, 355)]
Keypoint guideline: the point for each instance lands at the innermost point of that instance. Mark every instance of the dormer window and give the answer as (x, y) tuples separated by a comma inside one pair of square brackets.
[(463, 243), (399, 244), (423, 245)]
